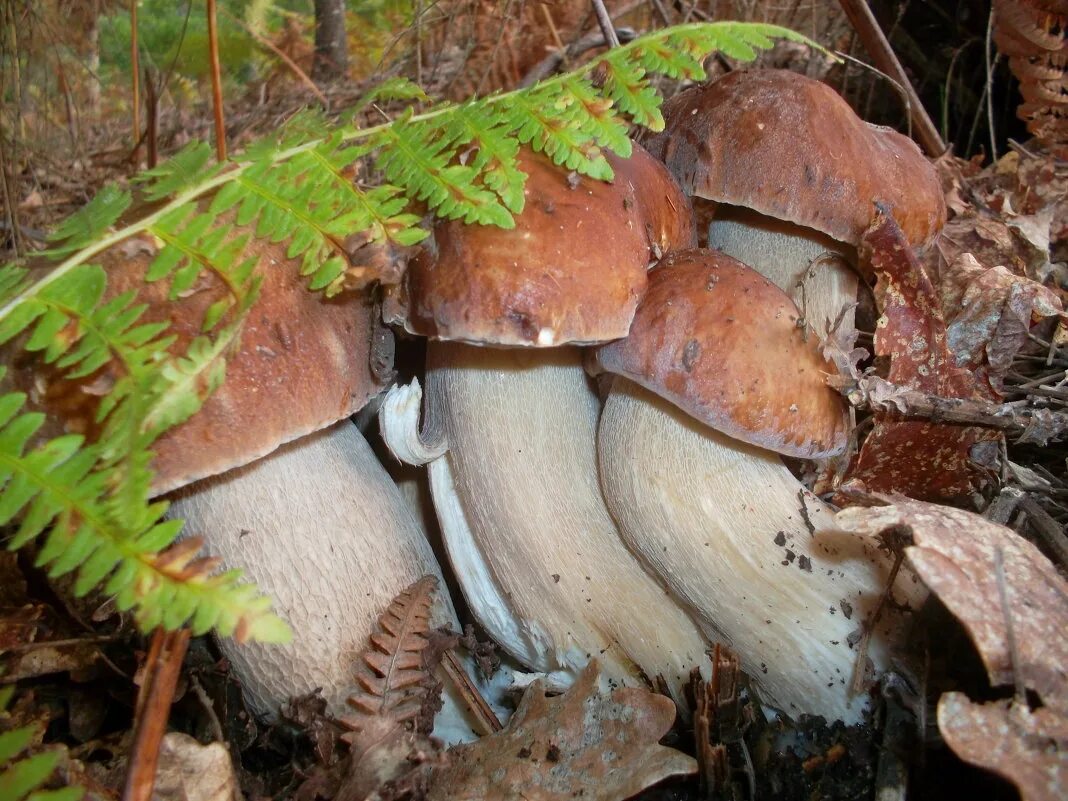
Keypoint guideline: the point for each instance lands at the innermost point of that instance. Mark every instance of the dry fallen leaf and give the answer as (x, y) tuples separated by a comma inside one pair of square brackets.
[(920, 459), (990, 312), (955, 553), (1014, 606), (1029, 748), (581, 744), (189, 771)]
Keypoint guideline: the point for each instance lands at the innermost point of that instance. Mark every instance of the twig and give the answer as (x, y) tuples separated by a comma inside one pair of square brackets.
[(605, 22), (475, 702), (1046, 527), (861, 662), (875, 42), (1038, 425), (300, 74), (216, 83), (162, 668), (1010, 632), (548, 65), (989, 84)]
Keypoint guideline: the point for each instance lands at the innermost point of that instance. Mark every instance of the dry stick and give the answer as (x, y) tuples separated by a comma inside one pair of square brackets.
[(605, 22), (135, 70), (216, 83), (875, 42), (469, 692), (1046, 527), (1002, 416), (301, 75), (162, 668)]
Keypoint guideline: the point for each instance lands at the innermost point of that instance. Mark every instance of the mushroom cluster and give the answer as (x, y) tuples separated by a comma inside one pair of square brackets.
[(694, 530), (604, 412)]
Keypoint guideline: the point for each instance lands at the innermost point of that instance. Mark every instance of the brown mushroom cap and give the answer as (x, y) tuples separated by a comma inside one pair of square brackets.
[(790, 147), (572, 269), (303, 363), (721, 342)]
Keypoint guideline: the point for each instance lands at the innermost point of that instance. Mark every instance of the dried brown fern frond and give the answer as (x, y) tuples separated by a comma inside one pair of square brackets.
[(388, 730), (392, 673), (1031, 33)]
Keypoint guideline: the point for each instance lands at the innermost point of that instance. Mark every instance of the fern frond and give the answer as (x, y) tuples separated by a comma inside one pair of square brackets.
[(391, 672), (58, 486), (188, 167), (90, 222), (416, 157), (22, 773), (309, 187)]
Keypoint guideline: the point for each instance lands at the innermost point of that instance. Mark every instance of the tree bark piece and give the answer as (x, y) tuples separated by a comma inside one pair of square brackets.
[(331, 44)]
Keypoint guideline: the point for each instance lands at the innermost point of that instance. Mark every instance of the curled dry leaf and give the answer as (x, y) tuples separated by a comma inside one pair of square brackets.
[(1014, 605), (955, 553), (990, 311), (580, 744), (1029, 748), (916, 458)]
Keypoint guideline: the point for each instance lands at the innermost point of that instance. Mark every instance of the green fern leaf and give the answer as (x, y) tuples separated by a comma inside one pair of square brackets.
[(190, 166), (392, 89), (90, 222), (486, 128)]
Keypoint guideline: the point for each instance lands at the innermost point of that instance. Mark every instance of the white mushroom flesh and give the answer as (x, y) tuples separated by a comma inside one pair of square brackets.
[(535, 550), (721, 523), (321, 528)]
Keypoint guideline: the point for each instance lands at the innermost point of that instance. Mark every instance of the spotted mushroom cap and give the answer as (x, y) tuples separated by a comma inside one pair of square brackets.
[(303, 362), (791, 148), (572, 269), (721, 342)]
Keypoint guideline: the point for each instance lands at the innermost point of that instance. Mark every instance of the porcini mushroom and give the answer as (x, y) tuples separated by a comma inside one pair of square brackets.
[(318, 524), (795, 174), (535, 550), (713, 380)]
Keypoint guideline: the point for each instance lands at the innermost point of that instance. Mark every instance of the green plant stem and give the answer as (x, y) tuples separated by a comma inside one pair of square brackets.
[(347, 135)]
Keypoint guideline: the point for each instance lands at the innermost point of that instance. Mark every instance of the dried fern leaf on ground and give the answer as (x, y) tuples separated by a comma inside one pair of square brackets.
[(393, 711)]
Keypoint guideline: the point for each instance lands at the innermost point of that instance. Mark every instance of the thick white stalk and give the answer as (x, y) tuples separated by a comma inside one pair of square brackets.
[(811, 267), (721, 523), (535, 550), (322, 529)]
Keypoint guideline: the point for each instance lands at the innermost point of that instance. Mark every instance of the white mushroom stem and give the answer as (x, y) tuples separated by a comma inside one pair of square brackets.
[(721, 522), (811, 267), (535, 550), (321, 528)]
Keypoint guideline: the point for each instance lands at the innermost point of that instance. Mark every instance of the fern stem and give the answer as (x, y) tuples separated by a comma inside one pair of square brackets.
[(351, 134)]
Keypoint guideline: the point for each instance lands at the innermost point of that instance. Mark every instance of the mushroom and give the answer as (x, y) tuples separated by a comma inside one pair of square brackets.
[(317, 524), (795, 174), (536, 553), (714, 379)]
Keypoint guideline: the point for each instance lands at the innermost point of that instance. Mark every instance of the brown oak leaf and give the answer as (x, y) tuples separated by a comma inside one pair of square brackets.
[(581, 744), (921, 459), (1029, 748), (1014, 606)]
